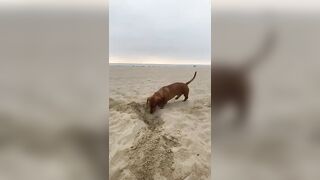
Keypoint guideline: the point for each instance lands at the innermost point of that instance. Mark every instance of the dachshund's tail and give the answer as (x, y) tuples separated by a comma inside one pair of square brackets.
[(195, 73)]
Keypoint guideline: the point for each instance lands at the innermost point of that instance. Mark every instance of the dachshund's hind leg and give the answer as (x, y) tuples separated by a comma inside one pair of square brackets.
[(186, 94)]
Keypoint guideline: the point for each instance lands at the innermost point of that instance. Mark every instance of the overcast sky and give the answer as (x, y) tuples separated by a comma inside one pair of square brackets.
[(162, 31)]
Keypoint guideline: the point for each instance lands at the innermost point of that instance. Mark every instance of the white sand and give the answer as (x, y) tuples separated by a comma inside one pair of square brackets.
[(174, 143)]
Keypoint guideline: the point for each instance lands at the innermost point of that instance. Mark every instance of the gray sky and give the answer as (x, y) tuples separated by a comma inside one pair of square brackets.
[(161, 31)]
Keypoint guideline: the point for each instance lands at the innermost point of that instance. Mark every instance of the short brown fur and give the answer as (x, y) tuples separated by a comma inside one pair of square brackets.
[(164, 94)]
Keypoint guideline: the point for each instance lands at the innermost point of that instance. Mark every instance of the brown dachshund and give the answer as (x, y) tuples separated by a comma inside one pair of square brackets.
[(164, 94), (231, 84)]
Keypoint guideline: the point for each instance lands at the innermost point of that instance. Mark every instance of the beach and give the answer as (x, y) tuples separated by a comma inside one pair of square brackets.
[(172, 143)]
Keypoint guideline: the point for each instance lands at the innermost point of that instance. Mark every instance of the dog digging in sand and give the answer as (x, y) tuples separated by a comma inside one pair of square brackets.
[(164, 94)]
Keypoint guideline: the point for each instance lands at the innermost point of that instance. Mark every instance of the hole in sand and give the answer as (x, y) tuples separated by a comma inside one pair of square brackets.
[(152, 120)]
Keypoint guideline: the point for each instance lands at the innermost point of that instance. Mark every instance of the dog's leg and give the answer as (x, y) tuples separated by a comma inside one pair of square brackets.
[(186, 95), (162, 104), (178, 96)]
